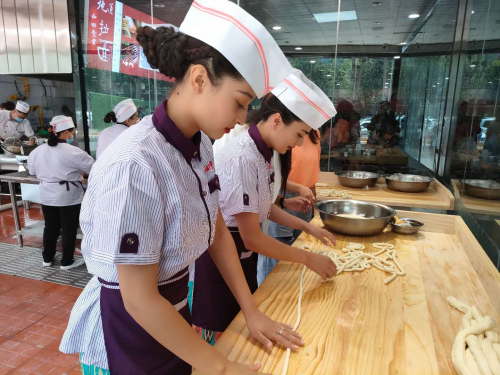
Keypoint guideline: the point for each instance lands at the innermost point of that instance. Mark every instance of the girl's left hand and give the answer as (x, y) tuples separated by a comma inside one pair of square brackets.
[(321, 234), (265, 329)]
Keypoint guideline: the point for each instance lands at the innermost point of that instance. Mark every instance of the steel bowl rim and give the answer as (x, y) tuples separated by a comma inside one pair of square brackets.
[(419, 223), (362, 202), (375, 175), (463, 182), (388, 177)]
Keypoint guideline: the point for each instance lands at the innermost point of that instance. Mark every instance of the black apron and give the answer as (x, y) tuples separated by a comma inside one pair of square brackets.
[(130, 349), (214, 306)]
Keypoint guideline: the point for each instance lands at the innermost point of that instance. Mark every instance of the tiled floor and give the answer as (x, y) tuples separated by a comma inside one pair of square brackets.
[(33, 314), (33, 317)]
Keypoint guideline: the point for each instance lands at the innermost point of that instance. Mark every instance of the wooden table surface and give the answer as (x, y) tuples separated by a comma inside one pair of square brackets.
[(355, 324), (437, 196), (476, 205)]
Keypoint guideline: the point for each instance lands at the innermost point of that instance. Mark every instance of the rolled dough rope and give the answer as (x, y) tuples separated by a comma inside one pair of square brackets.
[(458, 351), (497, 349), (299, 312), (491, 335), (460, 306), (471, 363), (491, 356)]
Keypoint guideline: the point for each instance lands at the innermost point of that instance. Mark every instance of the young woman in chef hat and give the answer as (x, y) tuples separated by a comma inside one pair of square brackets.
[(247, 177), (58, 166), (123, 115), (152, 205)]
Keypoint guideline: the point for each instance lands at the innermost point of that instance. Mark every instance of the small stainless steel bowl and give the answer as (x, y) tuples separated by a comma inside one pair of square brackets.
[(357, 179), (408, 183), (482, 189), (403, 229), (377, 217)]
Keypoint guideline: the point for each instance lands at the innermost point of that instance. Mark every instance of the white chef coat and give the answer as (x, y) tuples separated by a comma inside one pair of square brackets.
[(246, 174), (11, 128), (51, 165), (158, 187), (107, 136)]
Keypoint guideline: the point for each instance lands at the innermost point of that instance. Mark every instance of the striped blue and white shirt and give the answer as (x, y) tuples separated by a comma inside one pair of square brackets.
[(246, 174), (152, 198)]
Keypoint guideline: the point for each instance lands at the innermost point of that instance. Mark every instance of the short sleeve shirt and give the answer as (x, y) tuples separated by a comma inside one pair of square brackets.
[(152, 199), (10, 128), (246, 176)]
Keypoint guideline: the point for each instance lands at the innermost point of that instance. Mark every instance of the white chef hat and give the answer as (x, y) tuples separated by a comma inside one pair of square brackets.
[(22, 107), (306, 100), (124, 110), (61, 123), (241, 39)]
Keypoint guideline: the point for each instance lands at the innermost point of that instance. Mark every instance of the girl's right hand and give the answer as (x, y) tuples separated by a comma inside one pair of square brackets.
[(234, 368), (321, 264)]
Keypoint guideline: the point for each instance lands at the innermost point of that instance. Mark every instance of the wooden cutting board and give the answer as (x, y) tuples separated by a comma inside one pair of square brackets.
[(356, 324), (437, 196)]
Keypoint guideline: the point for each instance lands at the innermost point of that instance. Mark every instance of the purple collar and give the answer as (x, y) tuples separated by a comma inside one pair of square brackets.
[(189, 148), (253, 131), (59, 140)]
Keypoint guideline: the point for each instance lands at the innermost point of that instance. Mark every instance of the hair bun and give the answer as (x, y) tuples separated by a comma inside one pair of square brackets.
[(165, 49)]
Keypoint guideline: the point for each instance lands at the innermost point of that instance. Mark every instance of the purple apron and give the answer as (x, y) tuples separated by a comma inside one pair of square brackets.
[(130, 349), (214, 306)]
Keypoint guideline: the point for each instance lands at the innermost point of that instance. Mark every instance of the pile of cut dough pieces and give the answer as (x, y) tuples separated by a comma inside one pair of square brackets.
[(354, 259), (334, 193), (476, 350)]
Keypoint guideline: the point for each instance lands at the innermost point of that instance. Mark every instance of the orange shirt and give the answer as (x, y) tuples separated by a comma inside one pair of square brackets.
[(305, 163)]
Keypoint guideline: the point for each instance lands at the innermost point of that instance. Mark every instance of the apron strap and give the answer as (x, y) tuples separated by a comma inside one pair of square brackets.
[(74, 183)]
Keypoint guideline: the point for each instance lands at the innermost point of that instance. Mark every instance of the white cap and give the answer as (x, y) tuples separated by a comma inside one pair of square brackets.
[(241, 39), (61, 123), (305, 99), (124, 110), (22, 107)]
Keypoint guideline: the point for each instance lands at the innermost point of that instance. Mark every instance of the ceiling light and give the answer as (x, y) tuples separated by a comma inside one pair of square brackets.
[(390, 74), (376, 3), (298, 48), (377, 23), (397, 57), (414, 15), (438, 83), (490, 82), (472, 12), (338, 84), (446, 78), (328, 75), (334, 16), (472, 66), (312, 61), (403, 44), (433, 85), (277, 28)]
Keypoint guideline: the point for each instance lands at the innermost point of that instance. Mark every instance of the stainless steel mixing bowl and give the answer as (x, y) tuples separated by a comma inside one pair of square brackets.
[(377, 217), (408, 183), (483, 189), (356, 179)]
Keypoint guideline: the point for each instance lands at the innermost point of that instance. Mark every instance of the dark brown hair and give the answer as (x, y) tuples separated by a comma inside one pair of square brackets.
[(173, 52), (271, 105)]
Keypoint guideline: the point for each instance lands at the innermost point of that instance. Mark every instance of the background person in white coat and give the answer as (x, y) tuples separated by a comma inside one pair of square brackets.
[(124, 115), (14, 123), (58, 165)]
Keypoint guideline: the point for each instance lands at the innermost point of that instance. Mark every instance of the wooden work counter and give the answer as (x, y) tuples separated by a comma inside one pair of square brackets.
[(476, 205), (356, 324), (437, 196)]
